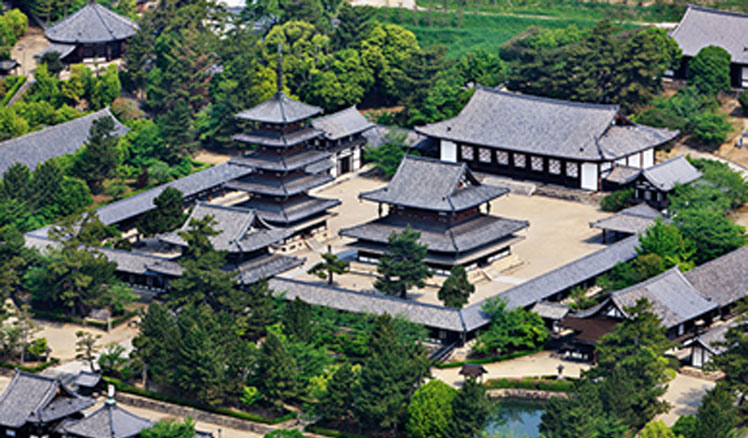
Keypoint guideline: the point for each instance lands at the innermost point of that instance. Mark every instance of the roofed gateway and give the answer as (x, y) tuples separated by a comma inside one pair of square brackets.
[(92, 32), (529, 137), (442, 201), (703, 27)]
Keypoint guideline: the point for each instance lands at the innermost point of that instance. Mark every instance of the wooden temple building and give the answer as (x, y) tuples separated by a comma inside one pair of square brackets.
[(343, 138), (443, 202), (285, 165), (91, 33), (536, 138)]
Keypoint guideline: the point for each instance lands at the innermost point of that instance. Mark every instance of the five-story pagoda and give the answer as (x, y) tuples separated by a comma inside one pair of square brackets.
[(285, 164)]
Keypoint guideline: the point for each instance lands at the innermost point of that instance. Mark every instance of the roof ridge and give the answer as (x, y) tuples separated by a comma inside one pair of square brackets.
[(551, 100), (51, 127), (715, 11), (98, 13)]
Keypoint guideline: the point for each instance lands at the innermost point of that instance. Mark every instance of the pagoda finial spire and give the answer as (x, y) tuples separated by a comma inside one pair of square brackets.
[(280, 68)]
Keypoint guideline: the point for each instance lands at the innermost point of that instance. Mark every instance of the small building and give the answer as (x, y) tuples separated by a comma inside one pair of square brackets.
[(343, 137), (442, 201), (109, 421), (8, 66), (91, 33), (702, 27), (674, 300), (473, 371), (585, 334), (87, 382), (627, 222), (285, 166), (553, 141), (34, 405), (706, 345), (36, 147)]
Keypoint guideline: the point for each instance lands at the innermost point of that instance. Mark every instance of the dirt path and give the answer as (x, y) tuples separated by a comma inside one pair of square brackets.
[(32, 43)]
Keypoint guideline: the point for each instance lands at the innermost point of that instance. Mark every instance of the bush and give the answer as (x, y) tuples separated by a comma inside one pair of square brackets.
[(711, 129), (331, 433), (430, 410), (743, 99), (709, 70), (534, 383), (617, 200)]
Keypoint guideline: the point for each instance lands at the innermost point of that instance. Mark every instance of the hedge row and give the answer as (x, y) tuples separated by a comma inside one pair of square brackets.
[(39, 368), (485, 360), (123, 387), (330, 432), (57, 317), (542, 384), (19, 81)]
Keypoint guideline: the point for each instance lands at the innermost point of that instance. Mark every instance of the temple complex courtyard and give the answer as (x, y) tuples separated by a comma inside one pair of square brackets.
[(559, 233)]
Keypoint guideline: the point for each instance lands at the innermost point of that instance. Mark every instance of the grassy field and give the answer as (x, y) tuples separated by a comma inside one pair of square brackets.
[(477, 31)]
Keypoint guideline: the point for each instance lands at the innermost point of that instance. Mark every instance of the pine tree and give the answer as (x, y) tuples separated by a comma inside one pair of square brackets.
[(261, 307), (297, 319), (14, 261), (156, 342), (177, 130), (402, 266), (167, 216), (456, 288), (276, 371), (17, 182), (353, 25), (46, 184), (329, 266), (470, 409), (717, 416), (100, 156), (336, 404)]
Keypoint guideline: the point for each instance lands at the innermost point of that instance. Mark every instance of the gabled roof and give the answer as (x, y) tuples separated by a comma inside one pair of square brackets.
[(674, 171), (713, 336), (110, 421), (87, 379), (551, 310), (673, 298), (92, 23), (280, 109), (431, 184), (623, 175), (240, 229), (30, 398), (724, 279), (702, 27), (543, 126), (294, 209), (342, 123), (65, 138), (630, 220)]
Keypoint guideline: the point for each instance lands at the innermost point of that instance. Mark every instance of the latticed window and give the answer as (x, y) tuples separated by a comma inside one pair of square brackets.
[(484, 155), (502, 157), (572, 170), (519, 160), (467, 153), (536, 163), (554, 166)]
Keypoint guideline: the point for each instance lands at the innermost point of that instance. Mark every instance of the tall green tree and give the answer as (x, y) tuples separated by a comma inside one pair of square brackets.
[(712, 233), (734, 361), (666, 241), (470, 409), (329, 266), (338, 401), (277, 371), (167, 216), (510, 329), (717, 417), (709, 70), (17, 182), (402, 266), (353, 23), (456, 289), (262, 308), (156, 342), (297, 320), (430, 411), (99, 157), (15, 259)]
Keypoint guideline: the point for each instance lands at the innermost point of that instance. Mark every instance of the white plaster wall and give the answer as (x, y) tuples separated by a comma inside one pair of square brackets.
[(356, 162), (334, 168), (649, 158), (448, 151), (634, 160), (589, 176), (621, 162)]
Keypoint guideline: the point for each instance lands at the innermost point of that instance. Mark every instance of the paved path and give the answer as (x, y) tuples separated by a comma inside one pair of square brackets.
[(684, 394)]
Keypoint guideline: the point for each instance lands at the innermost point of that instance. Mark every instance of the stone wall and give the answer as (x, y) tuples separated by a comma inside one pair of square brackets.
[(529, 394), (196, 414)]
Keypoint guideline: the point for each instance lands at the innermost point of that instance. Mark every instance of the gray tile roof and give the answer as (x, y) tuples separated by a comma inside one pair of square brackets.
[(280, 109), (630, 220), (551, 310), (724, 279), (88, 379), (266, 267), (63, 49), (189, 185), (702, 27), (543, 126), (293, 210), (92, 23), (362, 302), (342, 123), (109, 421), (674, 171), (623, 174), (712, 336), (30, 398), (66, 138), (283, 186), (278, 162), (431, 184), (278, 139), (462, 237), (673, 298), (240, 229)]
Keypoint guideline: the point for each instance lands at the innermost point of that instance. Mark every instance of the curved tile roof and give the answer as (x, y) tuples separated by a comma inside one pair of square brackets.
[(342, 123), (92, 23), (702, 27), (279, 109), (110, 421)]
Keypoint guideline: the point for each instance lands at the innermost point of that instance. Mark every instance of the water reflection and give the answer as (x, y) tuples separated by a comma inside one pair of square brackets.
[(515, 418)]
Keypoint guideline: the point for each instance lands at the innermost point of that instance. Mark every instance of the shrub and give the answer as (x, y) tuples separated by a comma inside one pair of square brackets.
[(743, 99), (617, 200), (711, 129), (709, 70), (430, 410)]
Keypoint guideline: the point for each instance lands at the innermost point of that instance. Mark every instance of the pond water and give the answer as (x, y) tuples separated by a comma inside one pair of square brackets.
[(516, 418)]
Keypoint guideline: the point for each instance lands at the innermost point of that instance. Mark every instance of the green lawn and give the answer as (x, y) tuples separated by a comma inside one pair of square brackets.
[(477, 31)]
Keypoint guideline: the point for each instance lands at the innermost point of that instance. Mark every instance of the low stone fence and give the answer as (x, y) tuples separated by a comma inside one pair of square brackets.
[(195, 414), (529, 394)]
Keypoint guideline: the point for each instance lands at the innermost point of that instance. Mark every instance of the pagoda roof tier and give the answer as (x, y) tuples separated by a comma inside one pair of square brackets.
[(278, 139), (275, 162), (271, 185), (466, 235), (430, 184), (280, 109), (291, 211), (241, 230)]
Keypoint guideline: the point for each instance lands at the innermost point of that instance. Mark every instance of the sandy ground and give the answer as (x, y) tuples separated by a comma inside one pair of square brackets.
[(32, 43), (559, 233), (61, 338), (684, 394), (205, 156)]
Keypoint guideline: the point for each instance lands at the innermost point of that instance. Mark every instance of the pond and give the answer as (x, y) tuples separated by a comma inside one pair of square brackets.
[(516, 418)]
